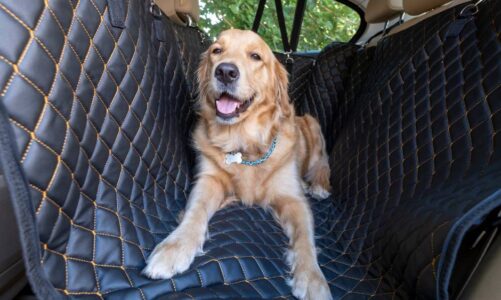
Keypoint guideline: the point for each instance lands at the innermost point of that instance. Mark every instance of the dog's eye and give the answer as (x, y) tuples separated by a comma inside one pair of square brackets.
[(217, 51), (255, 56)]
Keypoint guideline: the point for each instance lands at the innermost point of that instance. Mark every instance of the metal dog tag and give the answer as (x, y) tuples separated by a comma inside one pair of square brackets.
[(232, 158)]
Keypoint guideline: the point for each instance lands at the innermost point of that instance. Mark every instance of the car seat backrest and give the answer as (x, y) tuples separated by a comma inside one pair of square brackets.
[(102, 133), (191, 42), (338, 71), (336, 78), (427, 114), (299, 66), (183, 16)]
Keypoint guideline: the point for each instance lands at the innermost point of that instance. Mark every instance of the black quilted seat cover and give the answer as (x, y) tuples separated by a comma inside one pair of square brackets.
[(299, 73), (334, 83), (191, 42), (94, 142)]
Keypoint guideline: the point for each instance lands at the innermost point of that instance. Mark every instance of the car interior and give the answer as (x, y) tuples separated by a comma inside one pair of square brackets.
[(97, 104)]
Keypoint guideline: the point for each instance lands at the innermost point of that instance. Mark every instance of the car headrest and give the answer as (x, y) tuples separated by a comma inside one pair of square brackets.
[(378, 11), (417, 7), (180, 11)]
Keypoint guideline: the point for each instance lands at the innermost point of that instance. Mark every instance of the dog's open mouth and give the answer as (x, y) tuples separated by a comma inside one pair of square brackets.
[(228, 106)]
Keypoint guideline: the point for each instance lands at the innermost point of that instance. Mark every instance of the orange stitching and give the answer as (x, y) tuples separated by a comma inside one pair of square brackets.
[(34, 138), (11, 77), (53, 202), (111, 116)]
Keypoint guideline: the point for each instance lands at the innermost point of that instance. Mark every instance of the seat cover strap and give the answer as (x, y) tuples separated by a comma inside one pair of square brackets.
[(117, 10)]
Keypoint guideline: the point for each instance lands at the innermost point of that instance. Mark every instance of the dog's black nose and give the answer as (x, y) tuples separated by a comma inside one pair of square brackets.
[(227, 73)]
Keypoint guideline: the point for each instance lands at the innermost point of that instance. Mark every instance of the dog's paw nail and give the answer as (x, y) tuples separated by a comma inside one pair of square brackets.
[(318, 192)]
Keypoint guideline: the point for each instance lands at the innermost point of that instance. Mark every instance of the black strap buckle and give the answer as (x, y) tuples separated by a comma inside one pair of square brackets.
[(155, 10), (466, 15), (470, 9), (117, 11), (289, 45), (288, 57)]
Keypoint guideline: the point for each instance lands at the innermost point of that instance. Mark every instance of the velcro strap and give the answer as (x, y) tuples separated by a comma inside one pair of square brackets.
[(117, 11), (456, 27), (160, 30)]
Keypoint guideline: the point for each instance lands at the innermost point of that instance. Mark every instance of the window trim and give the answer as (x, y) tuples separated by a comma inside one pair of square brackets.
[(363, 23), (361, 28)]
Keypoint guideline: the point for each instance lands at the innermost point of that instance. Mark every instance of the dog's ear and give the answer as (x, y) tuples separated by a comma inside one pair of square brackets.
[(202, 72), (281, 85)]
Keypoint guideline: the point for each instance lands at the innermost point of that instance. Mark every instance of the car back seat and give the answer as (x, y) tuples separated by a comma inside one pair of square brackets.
[(424, 121), (339, 70), (95, 148)]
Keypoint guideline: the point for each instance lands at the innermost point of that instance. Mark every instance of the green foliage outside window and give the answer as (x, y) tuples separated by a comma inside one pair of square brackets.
[(324, 21)]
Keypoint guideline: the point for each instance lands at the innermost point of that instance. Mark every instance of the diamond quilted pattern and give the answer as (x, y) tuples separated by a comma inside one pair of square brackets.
[(300, 71), (100, 119), (325, 96), (191, 43), (421, 133), (97, 144)]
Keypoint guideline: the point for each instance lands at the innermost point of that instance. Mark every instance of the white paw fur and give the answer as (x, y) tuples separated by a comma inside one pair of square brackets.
[(310, 286), (172, 256), (307, 284), (318, 192)]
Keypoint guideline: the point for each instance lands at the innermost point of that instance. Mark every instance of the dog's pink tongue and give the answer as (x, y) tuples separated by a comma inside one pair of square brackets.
[(226, 105)]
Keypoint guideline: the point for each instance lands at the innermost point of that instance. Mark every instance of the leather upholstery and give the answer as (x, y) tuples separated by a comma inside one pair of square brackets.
[(382, 10), (100, 119), (420, 136)]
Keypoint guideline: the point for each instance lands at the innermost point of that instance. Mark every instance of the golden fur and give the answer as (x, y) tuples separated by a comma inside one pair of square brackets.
[(299, 160)]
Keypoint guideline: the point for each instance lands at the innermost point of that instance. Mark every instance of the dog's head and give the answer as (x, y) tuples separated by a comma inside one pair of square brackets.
[(239, 75)]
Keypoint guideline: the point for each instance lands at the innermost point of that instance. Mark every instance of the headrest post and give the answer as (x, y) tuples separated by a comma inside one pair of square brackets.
[(386, 23), (401, 19), (189, 21)]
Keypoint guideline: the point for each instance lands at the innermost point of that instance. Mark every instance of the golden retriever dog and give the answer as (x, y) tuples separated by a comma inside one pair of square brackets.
[(252, 148)]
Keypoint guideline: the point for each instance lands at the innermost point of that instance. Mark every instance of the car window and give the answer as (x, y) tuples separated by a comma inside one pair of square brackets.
[(325, 21)]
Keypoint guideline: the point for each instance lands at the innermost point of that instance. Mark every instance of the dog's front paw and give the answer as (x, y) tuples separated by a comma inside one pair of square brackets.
[(170, 257), (310, 286), (318, 192)]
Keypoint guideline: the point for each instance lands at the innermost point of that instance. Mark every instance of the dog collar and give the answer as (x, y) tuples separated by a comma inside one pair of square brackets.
[(236, 157)]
